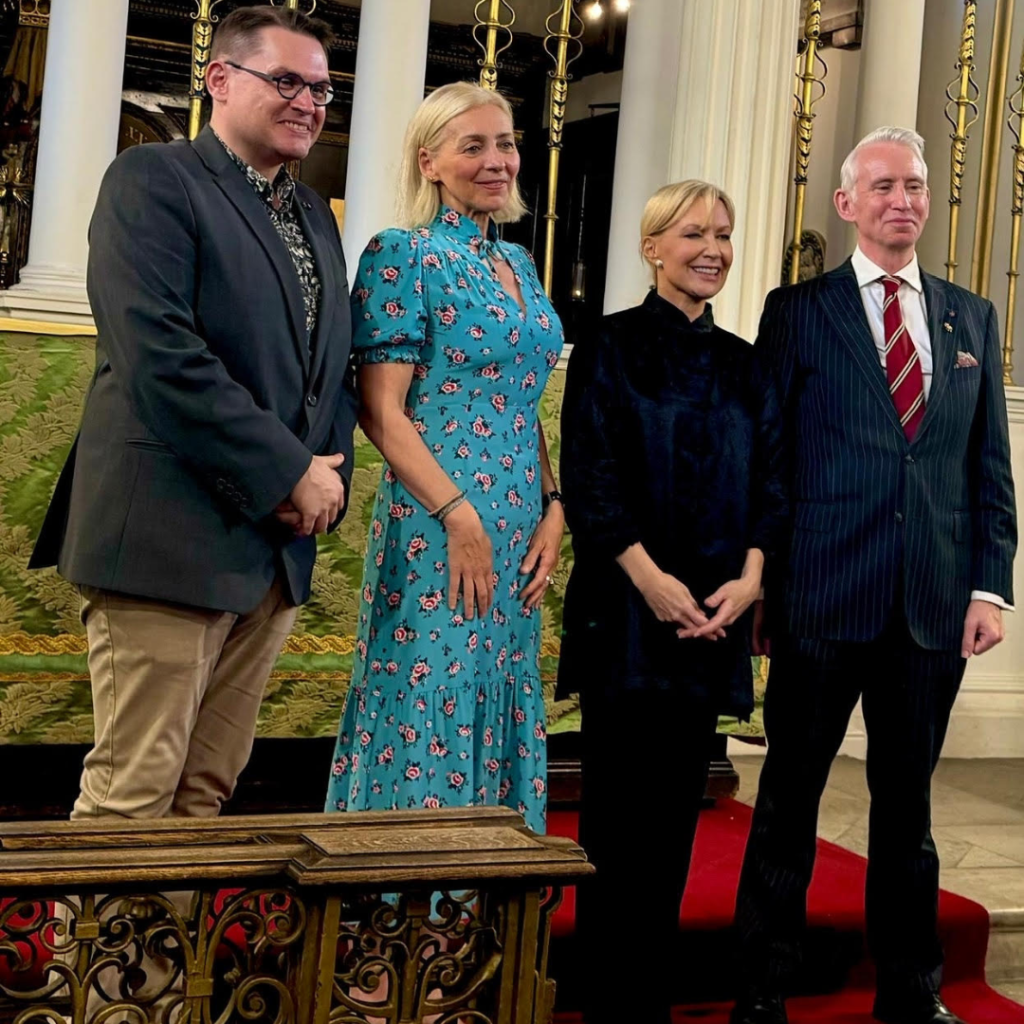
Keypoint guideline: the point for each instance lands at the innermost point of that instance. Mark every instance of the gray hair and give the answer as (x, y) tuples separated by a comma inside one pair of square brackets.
[(901, 136)]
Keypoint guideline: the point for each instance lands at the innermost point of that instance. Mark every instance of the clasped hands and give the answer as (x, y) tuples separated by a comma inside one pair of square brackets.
[(317, 499), (671, 601)]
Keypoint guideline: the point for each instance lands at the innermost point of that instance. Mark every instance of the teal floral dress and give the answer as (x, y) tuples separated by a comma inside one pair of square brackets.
[(445, 711)]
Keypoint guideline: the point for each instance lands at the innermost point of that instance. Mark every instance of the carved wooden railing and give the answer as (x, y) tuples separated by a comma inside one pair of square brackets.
[(297, 919)]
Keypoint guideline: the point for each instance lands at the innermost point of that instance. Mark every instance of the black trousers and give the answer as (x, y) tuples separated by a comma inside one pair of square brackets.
[(645, 760), (908, 694)]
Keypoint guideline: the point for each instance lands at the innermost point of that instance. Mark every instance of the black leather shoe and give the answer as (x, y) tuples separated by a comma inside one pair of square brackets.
[(932, 1010), (759, 1008)]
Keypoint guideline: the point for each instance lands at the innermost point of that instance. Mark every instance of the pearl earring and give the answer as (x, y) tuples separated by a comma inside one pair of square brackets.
[(659, 264)]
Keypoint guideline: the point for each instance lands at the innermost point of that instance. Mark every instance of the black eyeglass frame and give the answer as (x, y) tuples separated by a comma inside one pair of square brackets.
[(278, 79)]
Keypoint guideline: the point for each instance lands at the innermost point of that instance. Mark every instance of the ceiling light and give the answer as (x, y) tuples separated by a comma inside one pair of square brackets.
[(595, 11), (621, 6)]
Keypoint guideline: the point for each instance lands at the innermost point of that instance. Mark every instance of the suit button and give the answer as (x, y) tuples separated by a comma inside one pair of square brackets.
[(908, 458), (899, 517), (311, 400)]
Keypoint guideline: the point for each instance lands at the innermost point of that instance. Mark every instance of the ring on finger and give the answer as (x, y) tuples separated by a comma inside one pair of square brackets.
[(548, 580)]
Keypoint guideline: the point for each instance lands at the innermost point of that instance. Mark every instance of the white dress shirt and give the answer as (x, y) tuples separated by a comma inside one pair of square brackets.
[(915, 316), (911, 298)]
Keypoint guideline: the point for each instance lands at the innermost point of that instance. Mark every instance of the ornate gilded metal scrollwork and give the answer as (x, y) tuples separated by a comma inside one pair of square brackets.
[(15, 186), (991, 144), (187, 957), (411, 957), (565, 30), (810, 76), (208, 956), (1015, 122), (202, 38), (279, 919), (966, 103), (495, 29)]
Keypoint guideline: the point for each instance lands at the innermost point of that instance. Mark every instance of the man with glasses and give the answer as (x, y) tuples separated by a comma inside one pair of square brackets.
[(216, 439)]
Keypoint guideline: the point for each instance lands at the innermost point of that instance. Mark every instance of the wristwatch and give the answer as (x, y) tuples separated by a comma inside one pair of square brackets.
[(550, 496)]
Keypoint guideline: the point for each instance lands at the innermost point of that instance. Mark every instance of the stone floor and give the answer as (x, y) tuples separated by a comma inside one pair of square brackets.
[(978, 825)]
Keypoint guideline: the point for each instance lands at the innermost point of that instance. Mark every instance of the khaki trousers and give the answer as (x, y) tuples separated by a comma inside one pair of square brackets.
[(176, 692)]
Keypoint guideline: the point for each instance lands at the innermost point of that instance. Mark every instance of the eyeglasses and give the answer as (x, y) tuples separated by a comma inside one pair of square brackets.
[(291, 85)]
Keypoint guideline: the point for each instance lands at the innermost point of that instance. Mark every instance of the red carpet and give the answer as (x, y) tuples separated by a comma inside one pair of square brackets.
[(835, 914)]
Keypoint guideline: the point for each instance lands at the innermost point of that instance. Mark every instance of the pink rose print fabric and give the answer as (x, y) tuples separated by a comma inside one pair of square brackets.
[(444, 711)]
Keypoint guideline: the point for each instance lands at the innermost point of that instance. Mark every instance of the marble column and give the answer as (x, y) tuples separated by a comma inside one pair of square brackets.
[(733, 127), (81, 111), (650, 75), (890, 70), (391, 65)]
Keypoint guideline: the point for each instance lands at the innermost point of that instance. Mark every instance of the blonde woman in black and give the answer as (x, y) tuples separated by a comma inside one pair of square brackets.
[(671, 471)]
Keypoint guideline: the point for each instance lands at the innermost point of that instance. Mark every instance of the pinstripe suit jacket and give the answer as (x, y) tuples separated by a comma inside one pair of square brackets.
[(876, 518)]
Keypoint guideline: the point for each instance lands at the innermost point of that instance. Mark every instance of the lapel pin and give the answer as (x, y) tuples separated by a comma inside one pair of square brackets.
[(948, 327)]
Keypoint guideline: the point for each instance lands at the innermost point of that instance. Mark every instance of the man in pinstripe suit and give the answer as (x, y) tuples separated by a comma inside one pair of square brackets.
[(898, 569)]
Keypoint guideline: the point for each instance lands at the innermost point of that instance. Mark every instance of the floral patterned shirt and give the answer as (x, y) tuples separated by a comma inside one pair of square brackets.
[(278, 200)]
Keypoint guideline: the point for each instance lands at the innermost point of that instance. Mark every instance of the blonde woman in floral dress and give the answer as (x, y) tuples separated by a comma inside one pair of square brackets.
[(454, 340)]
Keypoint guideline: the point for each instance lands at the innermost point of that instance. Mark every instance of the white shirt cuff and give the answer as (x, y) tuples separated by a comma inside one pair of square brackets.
[(984, 595)]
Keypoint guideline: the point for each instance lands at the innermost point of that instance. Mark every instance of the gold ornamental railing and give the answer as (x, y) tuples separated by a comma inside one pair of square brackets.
[(281, 919), (995, 98), (563, 46), (1014, 121), (496, 39), (202, 38), (810, 78), (962, 113)]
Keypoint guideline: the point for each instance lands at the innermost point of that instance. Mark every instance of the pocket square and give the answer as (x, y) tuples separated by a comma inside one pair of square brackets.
[(965, 359)]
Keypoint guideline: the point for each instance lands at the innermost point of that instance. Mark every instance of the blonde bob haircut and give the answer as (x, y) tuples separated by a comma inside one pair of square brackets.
[(670, 202), (418, 198)]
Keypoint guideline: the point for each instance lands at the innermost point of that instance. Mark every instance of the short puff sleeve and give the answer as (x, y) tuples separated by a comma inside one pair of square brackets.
[(389, 315)]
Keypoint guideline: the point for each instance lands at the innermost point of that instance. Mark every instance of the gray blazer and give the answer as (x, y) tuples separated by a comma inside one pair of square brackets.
[(878, 519), (205, 407)]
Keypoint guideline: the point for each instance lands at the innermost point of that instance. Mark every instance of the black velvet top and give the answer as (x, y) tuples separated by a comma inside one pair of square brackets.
[(670, 438)]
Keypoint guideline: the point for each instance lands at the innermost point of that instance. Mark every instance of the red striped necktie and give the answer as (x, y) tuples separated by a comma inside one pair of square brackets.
[(902, 365)]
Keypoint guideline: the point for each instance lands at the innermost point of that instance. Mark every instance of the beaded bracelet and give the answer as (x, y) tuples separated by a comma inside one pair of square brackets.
[(440, 514)]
